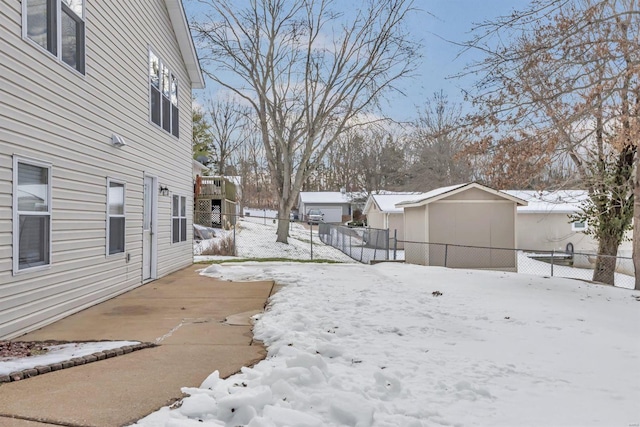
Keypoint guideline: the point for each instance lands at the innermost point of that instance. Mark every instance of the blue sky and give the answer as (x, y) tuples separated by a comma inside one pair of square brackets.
[(438, 20)]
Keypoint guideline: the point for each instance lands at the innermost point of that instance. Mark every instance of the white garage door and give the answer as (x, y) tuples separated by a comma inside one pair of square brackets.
[(331, 214)]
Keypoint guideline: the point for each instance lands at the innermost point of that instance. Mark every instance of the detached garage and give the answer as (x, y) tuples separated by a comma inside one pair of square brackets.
[(335, 205), (463, 226)]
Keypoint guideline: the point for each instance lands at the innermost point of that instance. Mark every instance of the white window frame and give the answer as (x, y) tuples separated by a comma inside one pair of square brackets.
[(16, 213), (58, 37), (173, 131), (182, 202), (576, 227), (109, 216)]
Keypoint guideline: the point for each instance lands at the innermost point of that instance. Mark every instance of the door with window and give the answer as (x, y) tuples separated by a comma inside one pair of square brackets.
[(148, 229)]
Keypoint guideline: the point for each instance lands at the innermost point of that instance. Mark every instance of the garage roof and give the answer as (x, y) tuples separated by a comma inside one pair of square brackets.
[(387, 202), (326, 197), (441, 193)]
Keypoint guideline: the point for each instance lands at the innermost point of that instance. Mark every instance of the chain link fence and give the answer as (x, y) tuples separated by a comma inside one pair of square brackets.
[(618, 271), (361, 244), (254, 237)]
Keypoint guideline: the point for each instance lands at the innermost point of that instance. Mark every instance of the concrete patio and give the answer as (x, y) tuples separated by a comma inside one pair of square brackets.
[(184, 313)]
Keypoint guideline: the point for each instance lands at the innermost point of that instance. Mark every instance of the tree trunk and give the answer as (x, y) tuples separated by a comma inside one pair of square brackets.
[(606, 260), (284, 210), (636, 222)]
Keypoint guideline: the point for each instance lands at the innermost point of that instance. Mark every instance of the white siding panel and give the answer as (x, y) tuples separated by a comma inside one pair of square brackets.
[(50, 113)]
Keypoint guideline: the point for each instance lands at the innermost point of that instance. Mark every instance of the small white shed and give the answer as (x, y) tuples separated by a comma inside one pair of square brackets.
[(462, 226)]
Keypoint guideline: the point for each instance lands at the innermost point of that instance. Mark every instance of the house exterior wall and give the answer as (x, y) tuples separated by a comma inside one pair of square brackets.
[(551, 231), (51, 113), (375, 218), (416, 226)]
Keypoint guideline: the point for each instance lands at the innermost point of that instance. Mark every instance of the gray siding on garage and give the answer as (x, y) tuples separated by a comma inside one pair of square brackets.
[(50, 113)]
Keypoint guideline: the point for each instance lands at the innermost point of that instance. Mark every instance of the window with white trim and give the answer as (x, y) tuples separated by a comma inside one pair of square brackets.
[(179, 219), (163, 96), (58, 27), (115, 217), (578, 226), (31, 214)]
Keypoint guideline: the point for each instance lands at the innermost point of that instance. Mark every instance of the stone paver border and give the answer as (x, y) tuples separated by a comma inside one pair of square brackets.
[(76, 361)]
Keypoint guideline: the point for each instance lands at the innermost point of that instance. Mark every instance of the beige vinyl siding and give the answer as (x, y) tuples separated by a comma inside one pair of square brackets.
[(375, 218), (551, 231), (396, 227), (415, 226), (50, 113), (489, 224)]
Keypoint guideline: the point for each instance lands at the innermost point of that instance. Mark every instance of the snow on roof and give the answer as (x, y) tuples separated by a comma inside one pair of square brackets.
[(439, 193), (559, 201), (324, 197), (387, 201)]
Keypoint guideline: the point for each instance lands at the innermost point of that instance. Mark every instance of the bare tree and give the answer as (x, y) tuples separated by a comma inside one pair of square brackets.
[(435, 146), (228, 128), (566, 85), (308, 72)]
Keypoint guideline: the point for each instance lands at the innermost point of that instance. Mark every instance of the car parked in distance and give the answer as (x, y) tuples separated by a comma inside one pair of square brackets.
[(315, 216)]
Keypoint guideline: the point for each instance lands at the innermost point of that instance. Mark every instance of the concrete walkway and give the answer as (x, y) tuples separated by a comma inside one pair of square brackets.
[(183, 313)]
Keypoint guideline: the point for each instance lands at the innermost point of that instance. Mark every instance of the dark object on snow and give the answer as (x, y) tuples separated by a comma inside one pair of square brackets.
[(203, 233)]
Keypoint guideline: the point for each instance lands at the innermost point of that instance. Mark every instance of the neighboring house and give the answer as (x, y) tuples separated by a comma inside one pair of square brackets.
[(545, 223), (95, 152), (198, 169), (335, 205), (468, 214), (381, 212), (216, 201)]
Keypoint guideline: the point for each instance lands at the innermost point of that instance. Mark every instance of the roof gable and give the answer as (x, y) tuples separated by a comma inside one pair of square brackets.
[(185, 42), (444, 192)]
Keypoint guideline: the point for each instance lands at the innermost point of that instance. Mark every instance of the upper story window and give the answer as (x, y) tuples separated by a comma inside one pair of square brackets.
[(31, 214), (57, 26), (163, 93)]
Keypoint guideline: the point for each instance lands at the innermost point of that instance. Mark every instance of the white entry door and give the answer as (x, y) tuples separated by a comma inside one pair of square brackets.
[(148, 228)]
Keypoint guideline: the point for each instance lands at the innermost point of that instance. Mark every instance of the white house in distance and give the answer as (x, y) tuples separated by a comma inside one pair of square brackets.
[(335, 205), (381, 212), (96, 185), (462, 226), (545, 223)]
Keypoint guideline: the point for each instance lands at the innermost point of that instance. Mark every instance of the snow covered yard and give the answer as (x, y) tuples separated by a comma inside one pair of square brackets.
[(405, 345), (256, 238)]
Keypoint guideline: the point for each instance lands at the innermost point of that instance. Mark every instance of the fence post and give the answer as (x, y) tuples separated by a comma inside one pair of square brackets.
[(375, 250), (395, 244), (552, 253), (386, 244), (350, 243), (235, 248), (446, 250), (311, 238)]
